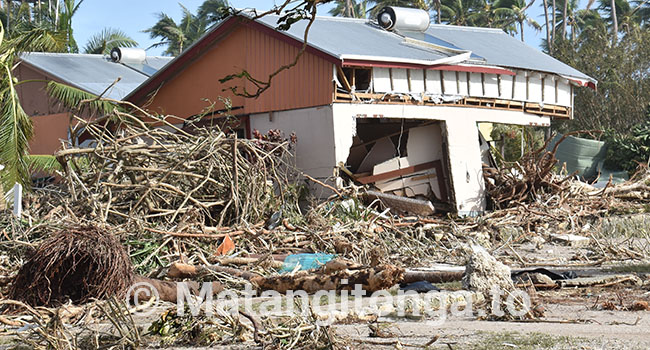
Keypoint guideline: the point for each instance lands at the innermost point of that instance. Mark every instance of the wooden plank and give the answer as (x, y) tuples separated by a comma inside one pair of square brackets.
[(409, 205), (346, 84), (528, 107), (398, 172)]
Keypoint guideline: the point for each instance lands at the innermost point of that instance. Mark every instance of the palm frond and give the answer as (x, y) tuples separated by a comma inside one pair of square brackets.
[(15, 132), (43, 163), (39, 38), (213, 10), (72, 97), (108, 39)]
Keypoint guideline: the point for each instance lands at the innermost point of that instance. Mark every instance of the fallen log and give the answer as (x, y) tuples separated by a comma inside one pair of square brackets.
[(370, 279), (179, 271), (335, 275), (166, 290)]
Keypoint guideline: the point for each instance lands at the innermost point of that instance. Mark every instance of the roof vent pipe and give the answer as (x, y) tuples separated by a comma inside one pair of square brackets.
[(403, 19), (128, 55)]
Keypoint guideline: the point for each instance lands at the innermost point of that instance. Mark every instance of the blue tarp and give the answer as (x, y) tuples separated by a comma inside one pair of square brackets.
[(306, 261)]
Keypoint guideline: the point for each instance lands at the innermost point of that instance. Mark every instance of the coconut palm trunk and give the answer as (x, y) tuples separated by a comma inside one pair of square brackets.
[(349, 9), (614, 22), (564, 16), (553, 18), (548, 29)]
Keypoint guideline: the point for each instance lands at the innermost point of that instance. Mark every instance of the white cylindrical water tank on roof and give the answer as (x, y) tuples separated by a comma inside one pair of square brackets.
[(128, 55), (403, 18)]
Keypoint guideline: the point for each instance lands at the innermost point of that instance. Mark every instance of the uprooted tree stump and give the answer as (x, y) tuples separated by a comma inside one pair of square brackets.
[(84, 263), (77, 263)]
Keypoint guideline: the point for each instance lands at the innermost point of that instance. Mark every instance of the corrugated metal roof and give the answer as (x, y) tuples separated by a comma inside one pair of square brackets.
[(345, 36), (340, 37), (95, 73), (501, 49)]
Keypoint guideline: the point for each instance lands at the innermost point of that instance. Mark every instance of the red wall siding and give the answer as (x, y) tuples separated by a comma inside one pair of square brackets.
[(305, 85), (49, 130)]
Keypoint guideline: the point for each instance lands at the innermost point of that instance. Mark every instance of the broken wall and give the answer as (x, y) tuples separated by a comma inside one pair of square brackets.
[(400, 157), (460, 129)]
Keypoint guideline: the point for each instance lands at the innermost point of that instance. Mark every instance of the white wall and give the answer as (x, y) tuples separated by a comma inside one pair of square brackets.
[(314, 127), (527, 84), (460, 126), (325, 135)]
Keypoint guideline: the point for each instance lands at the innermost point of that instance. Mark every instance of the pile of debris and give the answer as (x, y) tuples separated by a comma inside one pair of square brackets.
[(162, 197), (137, 171), (519, 182)]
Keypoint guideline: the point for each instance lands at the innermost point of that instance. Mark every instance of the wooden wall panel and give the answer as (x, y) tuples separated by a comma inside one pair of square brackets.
[(49, 130), (307, 84)]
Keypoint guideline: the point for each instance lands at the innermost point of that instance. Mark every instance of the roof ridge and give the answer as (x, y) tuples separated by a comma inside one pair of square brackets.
[(78, 54), (334, 18), (465, 28)]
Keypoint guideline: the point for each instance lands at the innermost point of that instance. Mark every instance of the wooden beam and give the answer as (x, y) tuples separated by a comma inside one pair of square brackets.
[(398, 172), (346, 84)]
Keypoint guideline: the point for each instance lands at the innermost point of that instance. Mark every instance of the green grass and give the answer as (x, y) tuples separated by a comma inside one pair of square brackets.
[(632, 268), (531, 341)]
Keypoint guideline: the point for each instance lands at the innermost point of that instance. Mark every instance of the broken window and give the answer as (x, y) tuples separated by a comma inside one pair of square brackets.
[(357, 77)]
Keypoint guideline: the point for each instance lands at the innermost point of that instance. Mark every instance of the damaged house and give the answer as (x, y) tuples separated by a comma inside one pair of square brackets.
[(394, 102)]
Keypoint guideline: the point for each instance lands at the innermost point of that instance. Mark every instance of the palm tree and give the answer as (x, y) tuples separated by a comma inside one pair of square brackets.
[(562, 18), (55, 20), (461, 12), (349, 8), (70, 8), (483, 14), (380, 4), (108, 39), (589, 21), (15, 125), (213, 11), (177, 37), (514, 11), (626, 16)]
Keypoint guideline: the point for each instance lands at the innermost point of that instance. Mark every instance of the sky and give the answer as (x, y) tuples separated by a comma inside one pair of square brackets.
[(134, 16)]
